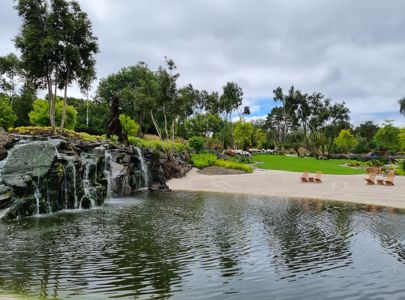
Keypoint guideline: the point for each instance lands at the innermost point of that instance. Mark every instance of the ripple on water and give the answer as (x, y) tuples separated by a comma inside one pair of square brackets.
[(207, 246)]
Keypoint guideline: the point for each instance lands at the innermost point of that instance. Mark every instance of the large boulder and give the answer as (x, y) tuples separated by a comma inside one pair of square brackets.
[(5, 142), (27, 160)]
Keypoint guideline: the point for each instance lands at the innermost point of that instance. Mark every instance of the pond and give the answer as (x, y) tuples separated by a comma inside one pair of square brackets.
[(207, 246)]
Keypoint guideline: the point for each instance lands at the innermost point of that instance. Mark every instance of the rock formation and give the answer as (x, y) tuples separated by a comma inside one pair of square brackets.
[(43, 175)]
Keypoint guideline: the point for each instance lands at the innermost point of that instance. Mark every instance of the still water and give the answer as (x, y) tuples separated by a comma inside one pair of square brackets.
[(207, 246)]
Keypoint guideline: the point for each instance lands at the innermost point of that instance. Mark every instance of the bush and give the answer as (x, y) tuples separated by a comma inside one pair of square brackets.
[(7, 115), (156, 144), (196, 143), (234, 165), (129, 126), (204, 160), (403, 165), (39, 115), (38, 130)]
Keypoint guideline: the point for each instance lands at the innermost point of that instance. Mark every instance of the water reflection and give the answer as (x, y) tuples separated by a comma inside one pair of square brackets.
[(196, 245)]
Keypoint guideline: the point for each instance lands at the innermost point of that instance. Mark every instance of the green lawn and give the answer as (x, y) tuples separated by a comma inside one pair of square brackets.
[(295, 164)]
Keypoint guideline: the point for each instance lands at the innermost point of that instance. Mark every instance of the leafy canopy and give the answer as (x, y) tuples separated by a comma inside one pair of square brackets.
[(7, 115), (129, 126), (39, 115), (346, 140)]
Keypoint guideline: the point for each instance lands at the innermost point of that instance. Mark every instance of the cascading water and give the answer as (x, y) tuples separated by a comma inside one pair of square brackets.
[(108, 171), (87, 188), (37, 195), (144, 167), (71, 166)]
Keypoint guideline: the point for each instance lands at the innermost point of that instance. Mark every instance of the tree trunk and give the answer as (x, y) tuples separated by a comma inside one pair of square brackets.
[(156, 126), (62, 122)]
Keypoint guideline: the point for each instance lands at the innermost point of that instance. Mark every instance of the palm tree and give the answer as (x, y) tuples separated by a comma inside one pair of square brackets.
[(402, 106)]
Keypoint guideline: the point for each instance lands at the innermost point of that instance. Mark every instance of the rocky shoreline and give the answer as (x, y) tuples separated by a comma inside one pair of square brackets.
[(45, 174)]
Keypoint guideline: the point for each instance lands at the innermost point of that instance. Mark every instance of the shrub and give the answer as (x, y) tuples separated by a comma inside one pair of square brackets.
[(196, 143), (156, 144), (39, 115), (234, 165), (129, 126), (203, 160), (403, 165), (38, 130), (7, 115)]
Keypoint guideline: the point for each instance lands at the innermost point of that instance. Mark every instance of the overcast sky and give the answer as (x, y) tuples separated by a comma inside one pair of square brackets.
[(352, 51)]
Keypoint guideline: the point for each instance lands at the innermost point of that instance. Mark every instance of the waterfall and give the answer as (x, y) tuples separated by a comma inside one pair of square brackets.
[(71, 165), (87, 188), (107, 171), (37, 195), (144, 167)]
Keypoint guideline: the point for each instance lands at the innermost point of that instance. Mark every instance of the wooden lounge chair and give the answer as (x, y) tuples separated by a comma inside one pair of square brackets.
[(371, 179), (318, 177), (390, 178), (304, 177)]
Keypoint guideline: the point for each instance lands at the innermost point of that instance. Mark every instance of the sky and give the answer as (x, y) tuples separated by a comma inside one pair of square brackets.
[(351, 51)]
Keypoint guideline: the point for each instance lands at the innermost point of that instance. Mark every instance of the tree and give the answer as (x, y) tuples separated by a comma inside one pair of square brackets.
[(242, 134), (38, 44), (402, 106), (78, 48), (39, 115), (7, 115), (387, 137), (229, 101), (129, 126), (346, 141), (295, 140), (56, 46), (401, 138), (260, 138), (138, 89), (10, 72)]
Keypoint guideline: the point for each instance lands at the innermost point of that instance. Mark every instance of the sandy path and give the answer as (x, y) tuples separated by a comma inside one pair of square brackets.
[(350, 188)]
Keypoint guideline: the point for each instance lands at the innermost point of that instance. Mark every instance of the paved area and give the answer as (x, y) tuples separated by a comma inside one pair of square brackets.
[(350, 188)]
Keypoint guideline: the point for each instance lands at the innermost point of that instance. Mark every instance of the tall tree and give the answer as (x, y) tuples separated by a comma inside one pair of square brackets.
[(57, 46), (230, 101), (78, 48), (38, 44), (10, 72), (402, 106)]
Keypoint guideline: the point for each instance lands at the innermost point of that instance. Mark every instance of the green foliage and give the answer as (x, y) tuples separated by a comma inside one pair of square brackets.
[(196, 143), (233, 165), (260, 138), (346, 140), (46, 130), (301, 164), (242, 133), (98, 115), (39, 115), (129, 126), (401, 138), (7, 115), (204, 160), (22, 105), (156, 144), (387, 138)]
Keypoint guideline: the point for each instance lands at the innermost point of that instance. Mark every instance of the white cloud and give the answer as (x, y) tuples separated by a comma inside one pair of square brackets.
[(351, 51)]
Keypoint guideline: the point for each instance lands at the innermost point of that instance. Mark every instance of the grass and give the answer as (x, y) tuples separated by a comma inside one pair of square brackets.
[(295, 164)]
